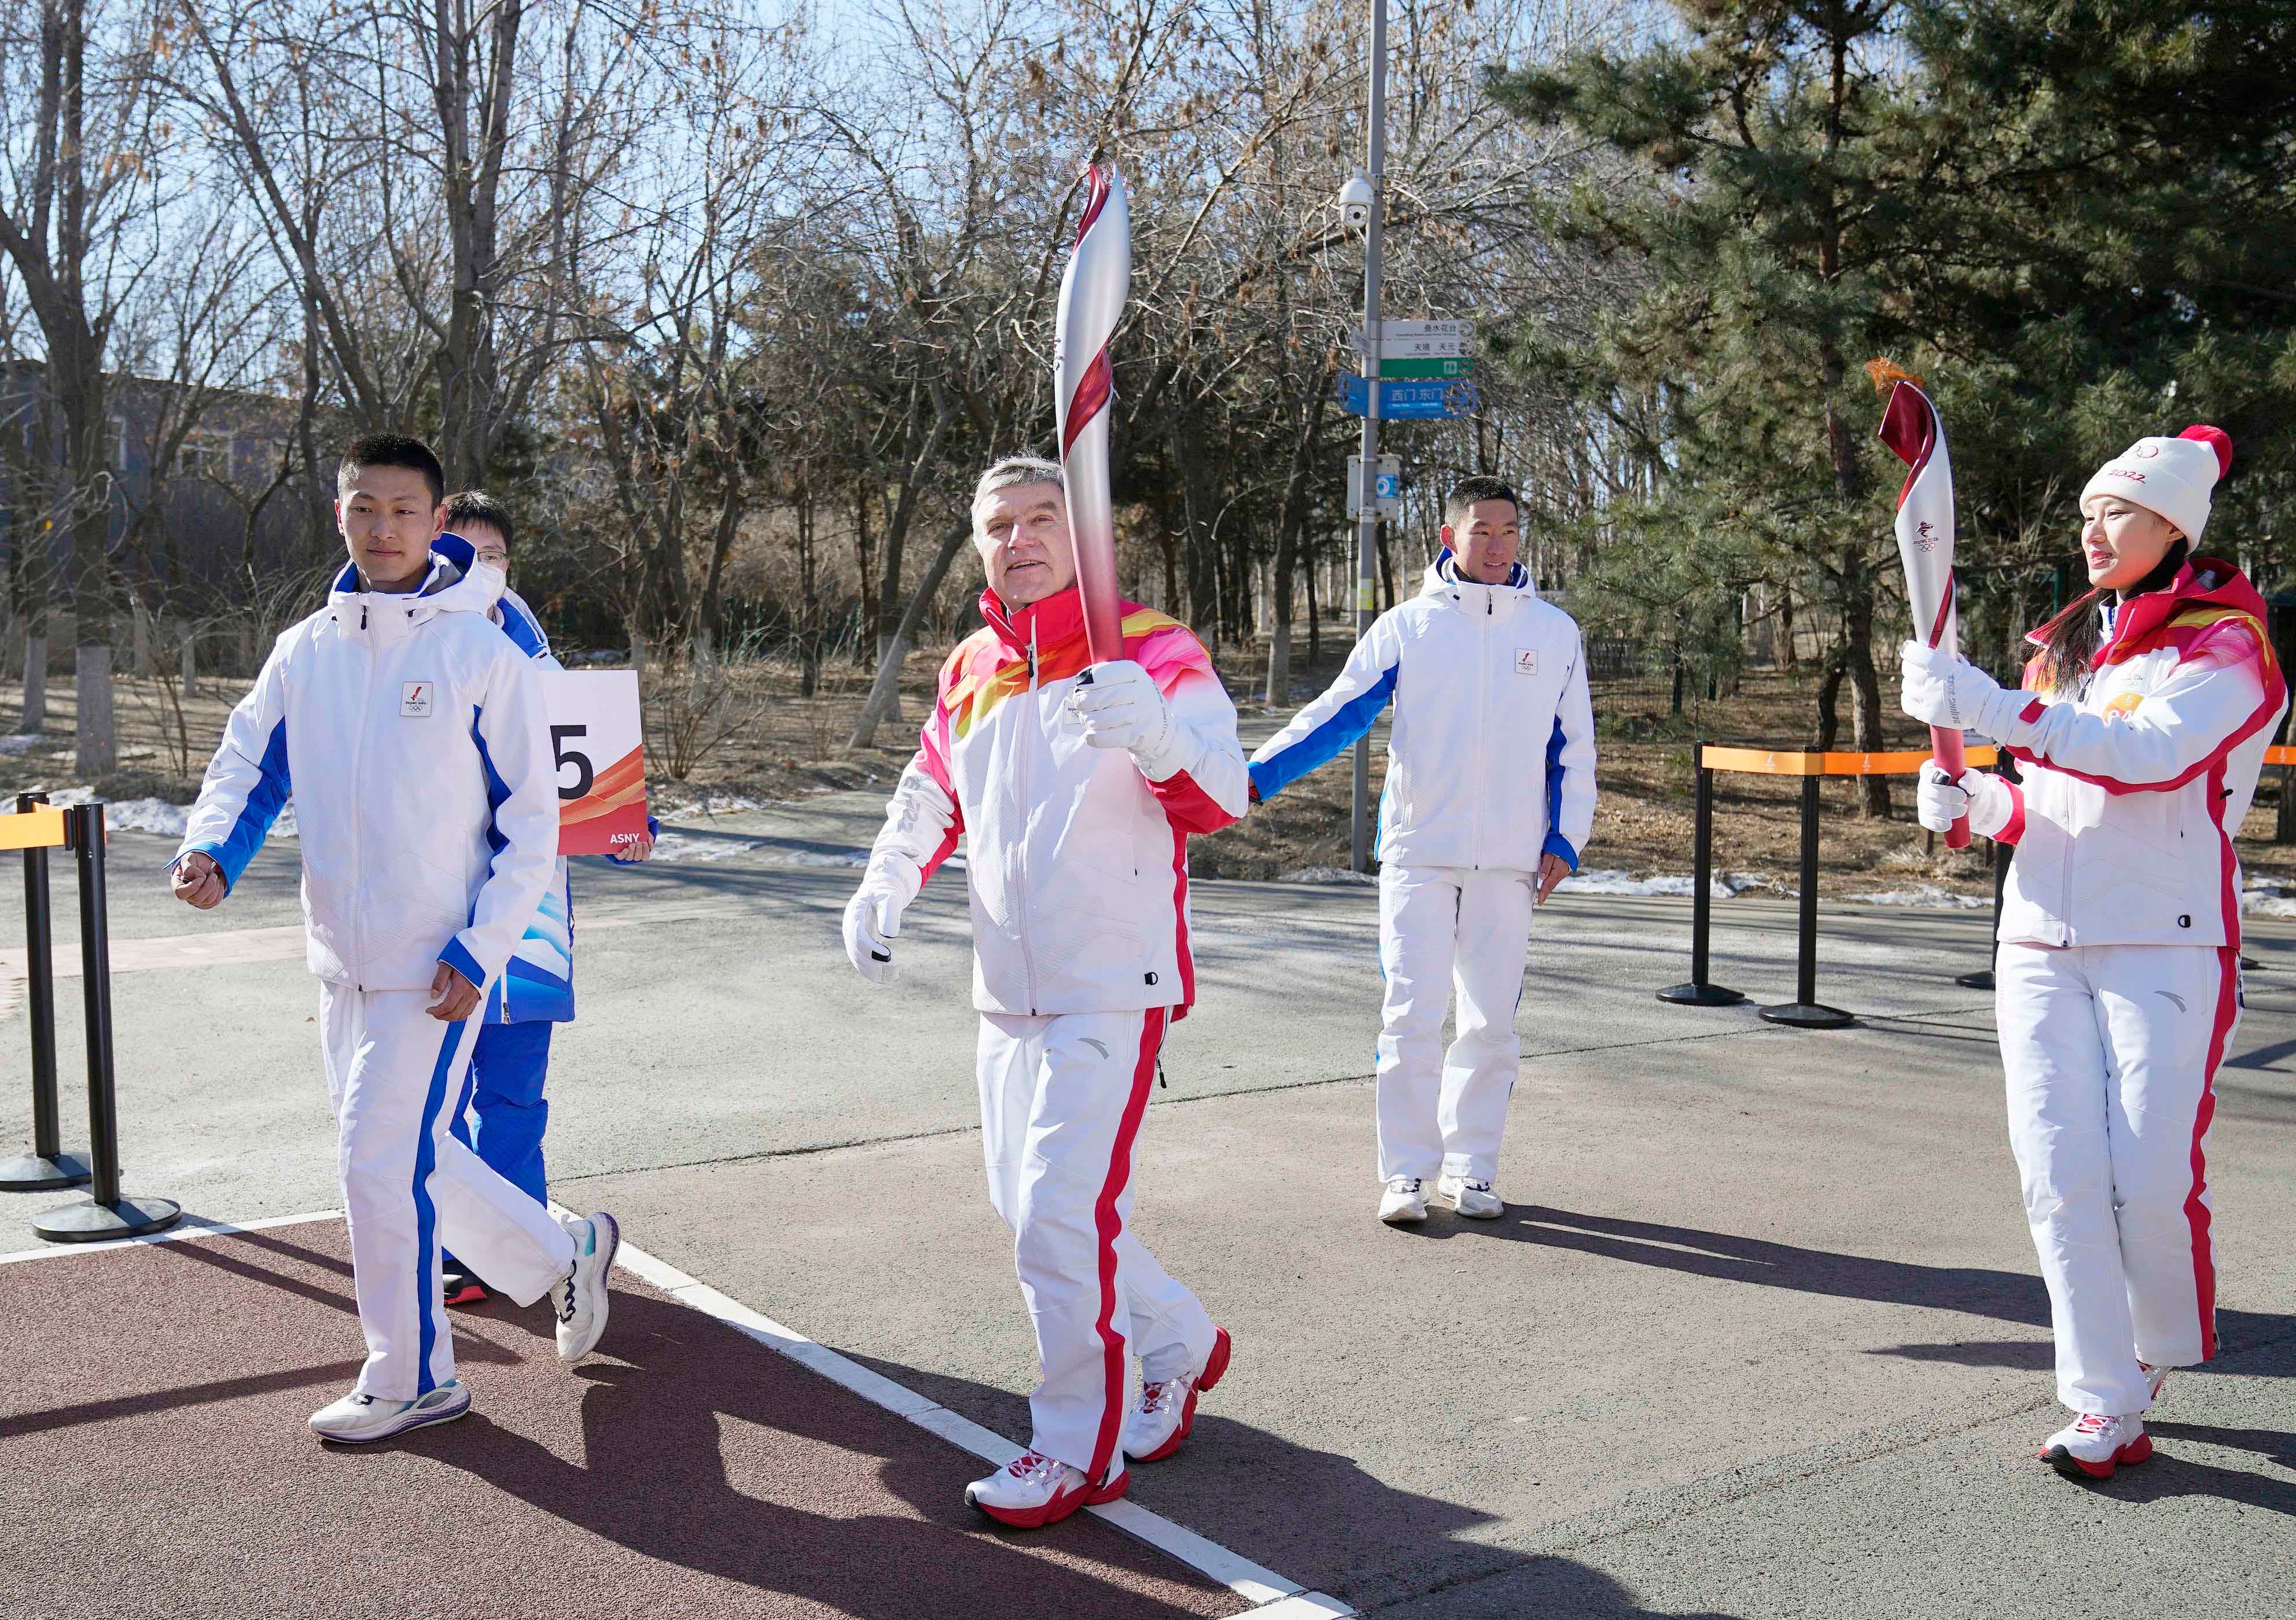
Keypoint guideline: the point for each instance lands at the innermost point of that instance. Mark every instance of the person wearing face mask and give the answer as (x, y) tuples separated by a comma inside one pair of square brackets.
[(1076, 797), (510, 1062), (1490, 798), (2142, 726)]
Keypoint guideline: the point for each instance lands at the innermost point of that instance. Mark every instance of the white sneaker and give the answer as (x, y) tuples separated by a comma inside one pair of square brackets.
[(358, 1418), (1404, 1200), (1033, 1490), (2156, 1378), (1474, 1199), (580, 1297), (2094, 1445), (1167, 1410)]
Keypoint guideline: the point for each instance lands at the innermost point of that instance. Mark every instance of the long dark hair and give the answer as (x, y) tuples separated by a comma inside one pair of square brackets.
[(2068, 641)]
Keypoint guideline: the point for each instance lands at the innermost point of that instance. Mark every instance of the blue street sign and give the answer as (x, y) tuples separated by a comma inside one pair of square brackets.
[(1435, 399), (1389, 486)]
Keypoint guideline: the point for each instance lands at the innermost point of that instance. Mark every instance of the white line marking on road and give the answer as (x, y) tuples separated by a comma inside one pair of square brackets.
[(1272, 1595), (190, 1226)]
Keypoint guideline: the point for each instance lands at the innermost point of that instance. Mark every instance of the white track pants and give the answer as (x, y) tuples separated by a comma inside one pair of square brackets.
[(2111, 1053), (398, 1076), (1442, 928), (1062, 1100)]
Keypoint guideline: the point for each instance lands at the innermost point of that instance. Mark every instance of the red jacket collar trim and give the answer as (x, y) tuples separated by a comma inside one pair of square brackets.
[(2201, 579), (1054, 618)]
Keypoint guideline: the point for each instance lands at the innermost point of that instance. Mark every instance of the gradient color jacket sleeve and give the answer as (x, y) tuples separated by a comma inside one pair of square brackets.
[(1571, 768), (512, 730), (1347, 708), (2215, 699), (1199, 777), (923, 818), (247, 781)]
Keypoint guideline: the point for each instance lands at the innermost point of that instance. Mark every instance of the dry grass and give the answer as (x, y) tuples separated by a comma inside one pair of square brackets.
[(792, 746)]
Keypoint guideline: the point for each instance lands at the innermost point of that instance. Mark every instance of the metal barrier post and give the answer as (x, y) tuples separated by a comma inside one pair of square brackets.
[(1805, 1011), (107, 1212), (47, 1165), (1697, 992)]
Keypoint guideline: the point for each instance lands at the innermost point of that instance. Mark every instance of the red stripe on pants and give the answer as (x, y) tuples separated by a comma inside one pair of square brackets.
[(2196, 1211), (1108, 1225)]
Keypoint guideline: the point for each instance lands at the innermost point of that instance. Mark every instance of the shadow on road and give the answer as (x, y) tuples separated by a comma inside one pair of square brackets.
[(1320, 1518), (2013, 1297)]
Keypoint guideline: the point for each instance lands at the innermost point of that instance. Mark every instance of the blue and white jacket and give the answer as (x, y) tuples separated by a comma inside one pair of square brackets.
[(1491, 762), (413, 736), (538, 984)]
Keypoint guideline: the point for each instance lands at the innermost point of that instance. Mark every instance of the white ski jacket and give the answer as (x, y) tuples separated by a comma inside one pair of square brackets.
[(1077, 857), (1491, 762), (411, 733), (2134, 787)]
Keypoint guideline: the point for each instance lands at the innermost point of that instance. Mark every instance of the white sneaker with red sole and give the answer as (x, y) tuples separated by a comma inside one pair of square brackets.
[(1166, 1410), (1033, 1490), (2094, 1445)]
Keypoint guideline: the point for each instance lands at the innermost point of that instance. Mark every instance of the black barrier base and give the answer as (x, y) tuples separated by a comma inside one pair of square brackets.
[(1701, 996), (31, 1173), (2249, 964), (1982, 979), (89, 1221), (1806, 1015)]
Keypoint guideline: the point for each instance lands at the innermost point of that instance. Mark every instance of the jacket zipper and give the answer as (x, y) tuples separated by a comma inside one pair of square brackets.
[(358, 801), (1029, 741), (1483, 722)]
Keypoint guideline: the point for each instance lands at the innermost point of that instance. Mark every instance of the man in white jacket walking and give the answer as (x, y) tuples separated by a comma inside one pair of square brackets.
[(411, 733), (1077, 799), (1490, 798)]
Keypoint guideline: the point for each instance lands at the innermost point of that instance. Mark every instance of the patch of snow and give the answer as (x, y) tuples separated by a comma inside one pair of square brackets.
[(20, 742), (849, 858), (1608, 881), (147, 816), (1927, 894), (1325, 874), (716, 803), (2268, 897), (677, 846)]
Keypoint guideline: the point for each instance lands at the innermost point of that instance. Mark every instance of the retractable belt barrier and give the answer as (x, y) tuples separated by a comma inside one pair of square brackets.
[(1805, 1011), (36, 828)]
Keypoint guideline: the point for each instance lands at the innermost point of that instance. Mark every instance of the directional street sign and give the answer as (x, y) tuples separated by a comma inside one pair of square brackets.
[(1391, 369), (1421, 339), (1433, 400), (1394, 330), (1388, 489)]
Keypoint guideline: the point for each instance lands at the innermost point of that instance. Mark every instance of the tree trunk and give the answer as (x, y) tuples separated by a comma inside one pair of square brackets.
[(884, 691), (97, 754), (35, 719)]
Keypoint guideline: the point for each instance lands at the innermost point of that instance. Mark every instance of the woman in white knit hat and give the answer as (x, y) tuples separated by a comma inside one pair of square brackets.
[(2147, 708)]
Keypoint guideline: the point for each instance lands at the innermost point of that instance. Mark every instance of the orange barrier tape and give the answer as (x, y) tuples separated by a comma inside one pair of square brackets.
[(1767, 762), (2280, 756), (41, 829)]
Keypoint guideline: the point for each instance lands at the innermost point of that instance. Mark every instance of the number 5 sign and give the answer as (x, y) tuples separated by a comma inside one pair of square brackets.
[(597, 737)]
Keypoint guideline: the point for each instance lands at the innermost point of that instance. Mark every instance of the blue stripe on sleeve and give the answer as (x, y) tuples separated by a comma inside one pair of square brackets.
[(1353, 717), (1556, 844), (264, 803), (524, 633)]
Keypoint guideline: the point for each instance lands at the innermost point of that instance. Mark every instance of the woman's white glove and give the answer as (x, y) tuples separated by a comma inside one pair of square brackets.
[(1944, 689), (1941, 800), (1120, 709), (872, 921)]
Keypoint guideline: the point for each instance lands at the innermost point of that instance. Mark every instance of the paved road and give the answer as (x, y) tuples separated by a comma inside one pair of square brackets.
[(1760, 1337)]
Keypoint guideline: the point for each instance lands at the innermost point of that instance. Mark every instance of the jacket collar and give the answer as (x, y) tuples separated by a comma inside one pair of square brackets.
[(456, 583), (2130, 625), (1041, 623), (1443, 578)]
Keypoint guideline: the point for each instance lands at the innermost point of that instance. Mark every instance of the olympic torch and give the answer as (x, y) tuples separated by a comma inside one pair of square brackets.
[(1093, 289), (1911, 426)]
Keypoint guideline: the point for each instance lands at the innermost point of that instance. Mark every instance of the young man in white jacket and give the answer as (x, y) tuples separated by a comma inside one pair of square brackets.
[(1490, 798), (412, 735), (1077, 799)]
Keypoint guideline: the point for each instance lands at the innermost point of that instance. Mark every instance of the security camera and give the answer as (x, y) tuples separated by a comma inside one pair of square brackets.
[(1355, 198)]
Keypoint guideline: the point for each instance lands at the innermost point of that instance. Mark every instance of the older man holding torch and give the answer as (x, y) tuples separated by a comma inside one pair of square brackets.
[(1078, 800)]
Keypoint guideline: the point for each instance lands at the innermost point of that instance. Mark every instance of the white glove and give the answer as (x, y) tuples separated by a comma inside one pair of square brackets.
[(1121, 708), (872, 921), (1944, 689), (1939, 800)]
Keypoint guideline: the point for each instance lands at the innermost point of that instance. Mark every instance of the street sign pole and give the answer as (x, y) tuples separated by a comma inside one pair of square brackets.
[(1368, 528)]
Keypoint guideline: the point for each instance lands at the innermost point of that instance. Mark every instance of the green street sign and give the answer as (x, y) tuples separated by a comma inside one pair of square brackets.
[(1398, 369)]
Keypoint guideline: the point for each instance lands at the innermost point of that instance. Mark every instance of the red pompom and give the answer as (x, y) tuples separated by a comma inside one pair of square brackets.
[(2215, 439)]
